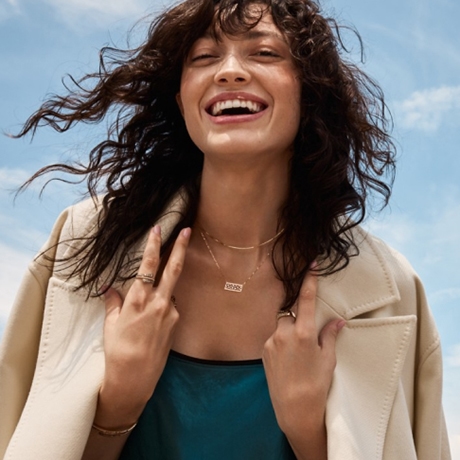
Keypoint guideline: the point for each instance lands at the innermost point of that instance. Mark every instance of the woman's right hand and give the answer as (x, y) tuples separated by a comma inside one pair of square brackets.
[(138, 334)]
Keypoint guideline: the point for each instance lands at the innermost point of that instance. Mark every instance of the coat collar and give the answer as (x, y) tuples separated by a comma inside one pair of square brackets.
[(367, 281)]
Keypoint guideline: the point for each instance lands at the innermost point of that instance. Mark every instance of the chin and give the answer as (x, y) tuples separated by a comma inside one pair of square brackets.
[(232, 148)]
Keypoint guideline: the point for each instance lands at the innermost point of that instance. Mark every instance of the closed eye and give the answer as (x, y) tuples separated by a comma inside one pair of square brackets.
[(202, 57), (267, 53)]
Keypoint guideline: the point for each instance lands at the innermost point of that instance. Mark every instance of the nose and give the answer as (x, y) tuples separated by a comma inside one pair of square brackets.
[(232, 71)]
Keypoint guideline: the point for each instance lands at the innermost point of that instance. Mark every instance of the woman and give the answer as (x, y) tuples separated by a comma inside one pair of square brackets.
[(194, 310)]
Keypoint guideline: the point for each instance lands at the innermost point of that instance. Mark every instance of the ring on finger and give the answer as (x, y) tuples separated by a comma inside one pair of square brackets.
[(285, 313), (146, 278)]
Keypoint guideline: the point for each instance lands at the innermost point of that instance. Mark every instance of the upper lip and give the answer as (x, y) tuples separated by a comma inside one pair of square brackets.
[(231, 95)]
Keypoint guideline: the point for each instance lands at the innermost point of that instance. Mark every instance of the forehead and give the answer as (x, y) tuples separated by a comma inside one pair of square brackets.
[(257, 23)]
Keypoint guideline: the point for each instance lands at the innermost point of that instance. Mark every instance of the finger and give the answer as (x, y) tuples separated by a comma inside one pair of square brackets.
[(328, 335), (285, 322), (113, 303), (151, 257), (306, 303), (175, 263)]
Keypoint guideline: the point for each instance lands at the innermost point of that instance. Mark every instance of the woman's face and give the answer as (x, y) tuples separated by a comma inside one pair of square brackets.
[(241, 94)]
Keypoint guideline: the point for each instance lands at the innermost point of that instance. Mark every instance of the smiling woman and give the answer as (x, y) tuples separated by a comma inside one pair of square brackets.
[(241, 94), (221, 300)]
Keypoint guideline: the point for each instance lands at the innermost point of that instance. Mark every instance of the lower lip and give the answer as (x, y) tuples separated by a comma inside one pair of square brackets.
[(227, 119)]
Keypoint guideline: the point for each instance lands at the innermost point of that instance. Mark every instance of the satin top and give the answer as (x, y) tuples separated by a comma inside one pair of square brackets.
[(209, 410)]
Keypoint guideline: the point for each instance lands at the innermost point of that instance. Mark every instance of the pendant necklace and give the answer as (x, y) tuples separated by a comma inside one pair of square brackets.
[(229, 286), (241, 248)]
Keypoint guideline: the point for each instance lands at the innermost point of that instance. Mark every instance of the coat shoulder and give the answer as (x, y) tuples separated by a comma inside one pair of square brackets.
[(71, 229), (398, 265), (379, 277)]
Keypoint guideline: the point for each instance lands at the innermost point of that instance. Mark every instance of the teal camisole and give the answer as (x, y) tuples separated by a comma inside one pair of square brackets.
[(207, 410)]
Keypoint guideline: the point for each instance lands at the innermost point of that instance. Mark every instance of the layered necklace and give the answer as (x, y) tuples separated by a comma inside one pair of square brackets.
[(232, 286)]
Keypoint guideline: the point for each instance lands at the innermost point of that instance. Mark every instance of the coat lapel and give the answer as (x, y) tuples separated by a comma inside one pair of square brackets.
[(370, 350), (370, 358)]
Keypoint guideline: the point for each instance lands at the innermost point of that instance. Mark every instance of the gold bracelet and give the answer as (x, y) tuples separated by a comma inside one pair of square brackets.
[(112, 433)]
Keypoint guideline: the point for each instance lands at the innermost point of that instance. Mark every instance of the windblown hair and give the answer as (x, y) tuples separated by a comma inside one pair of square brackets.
[(343, 153)]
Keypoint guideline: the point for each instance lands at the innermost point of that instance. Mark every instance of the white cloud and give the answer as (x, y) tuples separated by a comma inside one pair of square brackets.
[(445, 295), (453, 357), (426, 110), (437, 228), (396, 231), (83, 13), (8, 8), (11, 178)]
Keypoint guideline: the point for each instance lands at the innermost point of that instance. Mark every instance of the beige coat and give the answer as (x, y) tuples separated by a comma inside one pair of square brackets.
[(385, 399)]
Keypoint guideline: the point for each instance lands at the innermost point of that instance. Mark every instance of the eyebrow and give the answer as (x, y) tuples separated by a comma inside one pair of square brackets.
[(252, 34)]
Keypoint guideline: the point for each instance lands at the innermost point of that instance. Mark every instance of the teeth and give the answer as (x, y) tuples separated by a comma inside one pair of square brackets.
[(217, 108)]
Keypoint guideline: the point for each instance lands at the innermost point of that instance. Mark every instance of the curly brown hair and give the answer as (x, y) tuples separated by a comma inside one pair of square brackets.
[(343, 153)]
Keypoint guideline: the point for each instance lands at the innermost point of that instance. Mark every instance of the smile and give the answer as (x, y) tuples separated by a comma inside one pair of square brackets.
[(235, 107)]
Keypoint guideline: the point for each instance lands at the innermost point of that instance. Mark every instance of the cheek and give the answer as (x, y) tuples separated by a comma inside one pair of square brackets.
[(292, 98), (185, 102), (191, 90)]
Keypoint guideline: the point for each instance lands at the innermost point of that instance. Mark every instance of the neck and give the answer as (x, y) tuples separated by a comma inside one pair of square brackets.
[(242, 206)]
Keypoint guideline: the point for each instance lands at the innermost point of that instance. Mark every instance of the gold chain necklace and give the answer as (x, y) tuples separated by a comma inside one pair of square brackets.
[(240, 248), (233, 287)]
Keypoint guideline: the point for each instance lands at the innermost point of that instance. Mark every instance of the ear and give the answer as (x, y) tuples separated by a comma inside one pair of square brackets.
[(179, 103)]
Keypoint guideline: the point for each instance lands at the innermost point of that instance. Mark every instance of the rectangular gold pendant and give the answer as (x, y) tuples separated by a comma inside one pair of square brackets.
[(233, 287)]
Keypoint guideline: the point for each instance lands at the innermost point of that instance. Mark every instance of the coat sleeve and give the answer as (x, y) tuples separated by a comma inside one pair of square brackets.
[(19, 347), (423, 370), (429, 425)]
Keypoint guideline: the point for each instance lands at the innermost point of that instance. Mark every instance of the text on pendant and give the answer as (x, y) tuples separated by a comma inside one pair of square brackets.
[(233, 287)]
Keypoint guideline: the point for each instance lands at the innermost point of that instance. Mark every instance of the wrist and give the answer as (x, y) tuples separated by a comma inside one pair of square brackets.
[(310, 442), (101, 431), (116, 412), (308, 429)]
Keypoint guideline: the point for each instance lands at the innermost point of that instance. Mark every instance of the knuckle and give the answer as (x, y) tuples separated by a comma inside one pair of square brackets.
[(161, 306), (278, 339), (268, 345), (306, 330), (307, 295), (151, 260), (176, 267), (305, 335), (174, 316), (137, 304), (136, 300)]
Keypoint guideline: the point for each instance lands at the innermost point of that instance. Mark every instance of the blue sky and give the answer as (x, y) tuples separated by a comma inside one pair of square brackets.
[(412, 50)]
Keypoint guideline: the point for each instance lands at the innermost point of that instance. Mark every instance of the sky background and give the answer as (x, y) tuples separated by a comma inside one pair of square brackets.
[(412, 49)]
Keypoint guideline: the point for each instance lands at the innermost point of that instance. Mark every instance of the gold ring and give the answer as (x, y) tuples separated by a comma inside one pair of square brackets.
[(146, 278), (285, 313)]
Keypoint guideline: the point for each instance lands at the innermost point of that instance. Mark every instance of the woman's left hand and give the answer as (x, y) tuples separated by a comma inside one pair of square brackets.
[(299, 363)]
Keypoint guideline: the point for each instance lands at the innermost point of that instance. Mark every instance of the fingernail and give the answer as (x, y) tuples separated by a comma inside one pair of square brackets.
[(186, 232), (156, 230), (340, 325)]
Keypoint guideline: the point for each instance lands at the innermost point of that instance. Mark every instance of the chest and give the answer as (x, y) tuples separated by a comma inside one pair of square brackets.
[(221, 325)]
